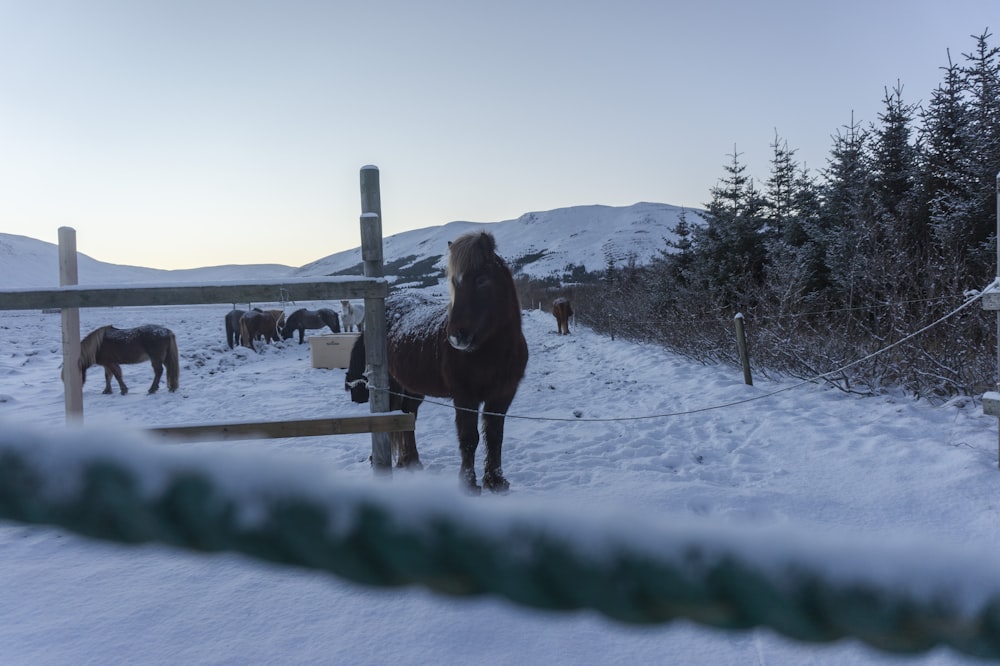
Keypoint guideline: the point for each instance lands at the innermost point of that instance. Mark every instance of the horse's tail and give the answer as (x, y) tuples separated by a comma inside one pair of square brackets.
[(173, 363), (230, 333), (355, 379), (245, 339)]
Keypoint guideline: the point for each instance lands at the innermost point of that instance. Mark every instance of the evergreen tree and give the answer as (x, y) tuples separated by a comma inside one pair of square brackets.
[(895, 183), (891, 245), (844, 206), (950, 177), (675, 263), (791, 206), (729, 251), (982, 84)]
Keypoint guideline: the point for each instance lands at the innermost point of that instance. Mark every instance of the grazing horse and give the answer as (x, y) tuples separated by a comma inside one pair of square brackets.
[(302, 319), (562, 311), (352, 316), (109, 347), (471, 350), (257, 325)]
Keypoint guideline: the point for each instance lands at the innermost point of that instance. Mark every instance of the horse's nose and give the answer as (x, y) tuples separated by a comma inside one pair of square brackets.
[(460, 340)]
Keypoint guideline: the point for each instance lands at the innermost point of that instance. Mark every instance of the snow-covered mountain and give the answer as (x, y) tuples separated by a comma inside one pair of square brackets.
[(538, 244)]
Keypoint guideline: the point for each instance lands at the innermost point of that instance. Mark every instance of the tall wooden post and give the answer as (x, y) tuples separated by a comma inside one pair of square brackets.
[(997, 193), (376, 358), (72, 381)]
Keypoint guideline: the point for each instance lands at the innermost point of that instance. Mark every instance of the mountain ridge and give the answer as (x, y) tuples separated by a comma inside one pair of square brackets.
[(540, 244)]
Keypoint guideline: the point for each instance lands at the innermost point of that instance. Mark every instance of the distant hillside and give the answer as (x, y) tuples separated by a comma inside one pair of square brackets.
[(26, 262), (541, 244)]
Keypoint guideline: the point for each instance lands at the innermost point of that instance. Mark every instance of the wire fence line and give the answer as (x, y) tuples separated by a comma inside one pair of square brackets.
[(810, 313), (969, 301), (809, 587)]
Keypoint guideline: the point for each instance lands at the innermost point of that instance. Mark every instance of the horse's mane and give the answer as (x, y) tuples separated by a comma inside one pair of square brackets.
[(91, 344), (471, 251)]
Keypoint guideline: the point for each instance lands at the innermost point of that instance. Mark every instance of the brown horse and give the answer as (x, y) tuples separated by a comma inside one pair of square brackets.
[(562, 311), (471, 350), (257, 325), (109, 347)]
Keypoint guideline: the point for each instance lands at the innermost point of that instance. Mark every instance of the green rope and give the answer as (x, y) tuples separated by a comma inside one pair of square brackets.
[(122, 488)]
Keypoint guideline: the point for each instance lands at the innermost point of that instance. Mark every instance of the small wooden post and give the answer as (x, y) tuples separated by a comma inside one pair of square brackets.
[(376, 357), (741, 344), (72, 381)]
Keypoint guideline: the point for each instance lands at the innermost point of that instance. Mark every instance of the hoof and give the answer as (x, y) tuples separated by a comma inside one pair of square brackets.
[(467, 477), (412, 465), (494, 482)]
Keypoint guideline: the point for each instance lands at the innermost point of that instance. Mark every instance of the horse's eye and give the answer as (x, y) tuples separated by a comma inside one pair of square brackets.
[(482, 281)]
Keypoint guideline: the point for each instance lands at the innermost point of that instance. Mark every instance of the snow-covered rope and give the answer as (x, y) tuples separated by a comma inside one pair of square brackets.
[(807, 585)]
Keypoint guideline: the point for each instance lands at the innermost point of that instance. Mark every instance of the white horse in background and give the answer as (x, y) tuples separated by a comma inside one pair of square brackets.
[(352, 316)]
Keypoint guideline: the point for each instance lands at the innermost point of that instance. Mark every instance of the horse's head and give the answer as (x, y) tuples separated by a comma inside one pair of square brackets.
[(81, 367), (483, 299)]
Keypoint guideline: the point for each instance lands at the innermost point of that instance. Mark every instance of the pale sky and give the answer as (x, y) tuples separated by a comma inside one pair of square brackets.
[(190, 133)]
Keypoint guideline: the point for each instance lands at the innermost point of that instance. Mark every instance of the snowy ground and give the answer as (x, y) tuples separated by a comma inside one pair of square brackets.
[(810, 456)]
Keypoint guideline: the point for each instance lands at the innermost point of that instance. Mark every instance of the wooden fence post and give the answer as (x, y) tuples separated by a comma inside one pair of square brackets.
[(741, 344), (376, 357), (72, 380)]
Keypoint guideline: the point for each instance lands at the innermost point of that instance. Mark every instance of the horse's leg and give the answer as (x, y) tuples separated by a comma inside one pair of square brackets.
[(116, 370), (404, 444), (157, 373), (466, 424), (494, 414)]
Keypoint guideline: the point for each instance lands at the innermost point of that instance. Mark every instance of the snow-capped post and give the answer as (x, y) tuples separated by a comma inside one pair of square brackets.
[(72, 381), (741, 344), (375, 341)]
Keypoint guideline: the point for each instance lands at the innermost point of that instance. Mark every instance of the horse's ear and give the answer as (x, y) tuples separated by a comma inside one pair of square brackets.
[(489, 243), (449, 245)]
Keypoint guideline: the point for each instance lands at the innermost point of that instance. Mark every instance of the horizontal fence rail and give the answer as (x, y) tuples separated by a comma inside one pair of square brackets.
[(96, 296), (816, 587), (343, 425)]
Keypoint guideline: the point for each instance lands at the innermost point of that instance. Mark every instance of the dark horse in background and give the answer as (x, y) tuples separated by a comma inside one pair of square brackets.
[(233, 318), (562, 311), (302, 319), (471, 350), (110, 347)]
